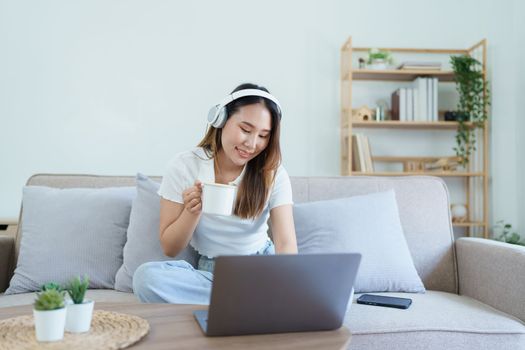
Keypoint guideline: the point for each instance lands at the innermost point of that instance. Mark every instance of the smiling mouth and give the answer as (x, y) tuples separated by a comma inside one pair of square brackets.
[(243, 154)]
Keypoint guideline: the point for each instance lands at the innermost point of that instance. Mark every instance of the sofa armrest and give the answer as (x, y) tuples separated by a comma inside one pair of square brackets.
[(493, 273), (7, 247)]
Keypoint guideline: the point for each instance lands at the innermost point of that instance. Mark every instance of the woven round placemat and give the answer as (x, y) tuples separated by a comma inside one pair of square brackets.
[(109, 330)]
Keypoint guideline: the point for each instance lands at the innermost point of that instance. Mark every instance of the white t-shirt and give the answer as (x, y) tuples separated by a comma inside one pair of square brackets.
[(221, 235)]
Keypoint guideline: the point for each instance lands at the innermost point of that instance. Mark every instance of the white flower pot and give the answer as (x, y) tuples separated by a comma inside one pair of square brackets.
[(79, 316), (49, 325), (378, 65)]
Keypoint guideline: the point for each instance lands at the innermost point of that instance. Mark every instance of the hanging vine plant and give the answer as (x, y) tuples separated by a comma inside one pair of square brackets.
[(473, 102)]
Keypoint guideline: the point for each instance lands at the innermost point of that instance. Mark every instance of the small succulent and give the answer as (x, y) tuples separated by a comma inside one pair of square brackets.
[(49, 299), (76, 289), (376, 54), (51, 285)]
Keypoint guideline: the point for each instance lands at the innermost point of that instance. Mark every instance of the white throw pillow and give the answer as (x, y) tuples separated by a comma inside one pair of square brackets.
[(71, 232), (369, 225)]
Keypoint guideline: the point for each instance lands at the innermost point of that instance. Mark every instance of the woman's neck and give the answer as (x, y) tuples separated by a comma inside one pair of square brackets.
[(225, 170)]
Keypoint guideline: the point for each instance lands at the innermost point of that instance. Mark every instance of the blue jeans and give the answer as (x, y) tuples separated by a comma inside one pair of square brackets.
[(177, 281)]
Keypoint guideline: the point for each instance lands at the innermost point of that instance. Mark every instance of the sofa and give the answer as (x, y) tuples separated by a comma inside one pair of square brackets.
[(475, 288)]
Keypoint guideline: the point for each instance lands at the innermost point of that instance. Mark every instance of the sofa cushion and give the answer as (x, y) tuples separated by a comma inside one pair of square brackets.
[(143, 244), (423, 204), (435, 320), (368, 225), (70, 232)]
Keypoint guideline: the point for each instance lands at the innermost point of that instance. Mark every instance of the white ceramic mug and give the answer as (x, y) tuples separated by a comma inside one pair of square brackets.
[(218, 199)]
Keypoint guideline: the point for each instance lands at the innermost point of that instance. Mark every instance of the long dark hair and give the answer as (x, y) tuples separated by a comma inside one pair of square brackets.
[(259, 175)]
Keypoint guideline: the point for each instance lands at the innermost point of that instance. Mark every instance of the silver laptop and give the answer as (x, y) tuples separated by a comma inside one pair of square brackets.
[(279, 293)]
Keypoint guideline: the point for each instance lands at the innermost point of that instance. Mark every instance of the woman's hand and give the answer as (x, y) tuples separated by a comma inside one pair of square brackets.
[(178, 220), (192, 197)]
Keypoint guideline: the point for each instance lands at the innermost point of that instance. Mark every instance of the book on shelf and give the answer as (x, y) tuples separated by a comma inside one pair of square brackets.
[(432, 102), (361, 151), (435, 109), (368, 155), (409, 105), (417, 103), (402, 104), (361, 154), (428, 115), (421, 85), (420, 65), (356, 159), (394, 103)]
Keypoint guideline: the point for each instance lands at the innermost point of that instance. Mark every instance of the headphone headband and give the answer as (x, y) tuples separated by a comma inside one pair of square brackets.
[(217, 114)]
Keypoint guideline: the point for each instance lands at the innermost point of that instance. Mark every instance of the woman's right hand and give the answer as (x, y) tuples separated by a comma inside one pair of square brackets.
[(192, 197)]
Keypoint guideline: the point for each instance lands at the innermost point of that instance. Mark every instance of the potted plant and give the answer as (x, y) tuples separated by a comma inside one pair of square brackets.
[(79, 311), (51, 285), (506, 235), (474, 99), (379, 59), (49, 314)]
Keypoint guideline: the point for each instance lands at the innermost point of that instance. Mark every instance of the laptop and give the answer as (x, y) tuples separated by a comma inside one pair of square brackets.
[(259, 294)]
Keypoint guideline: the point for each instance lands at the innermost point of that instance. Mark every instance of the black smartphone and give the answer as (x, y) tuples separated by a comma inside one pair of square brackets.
[(380, 300)]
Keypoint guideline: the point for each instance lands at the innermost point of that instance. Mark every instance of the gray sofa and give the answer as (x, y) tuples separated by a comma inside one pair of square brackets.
[(475, 295)]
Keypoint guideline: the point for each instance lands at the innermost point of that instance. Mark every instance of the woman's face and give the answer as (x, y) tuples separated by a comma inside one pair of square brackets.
[(246, 133)]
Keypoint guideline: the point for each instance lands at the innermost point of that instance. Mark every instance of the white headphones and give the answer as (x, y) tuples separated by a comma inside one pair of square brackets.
[(217, 114)]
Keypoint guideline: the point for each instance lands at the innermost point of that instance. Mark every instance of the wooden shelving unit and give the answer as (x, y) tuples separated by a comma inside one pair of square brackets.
[(393, 124), (418, 173), (398, 75), (475, 176)]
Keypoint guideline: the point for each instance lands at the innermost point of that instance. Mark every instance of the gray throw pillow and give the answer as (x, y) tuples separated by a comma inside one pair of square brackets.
[(369, 225), (71, 232), (143, 244)]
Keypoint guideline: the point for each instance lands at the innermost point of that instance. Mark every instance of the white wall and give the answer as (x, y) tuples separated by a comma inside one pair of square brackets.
[(116, 87)]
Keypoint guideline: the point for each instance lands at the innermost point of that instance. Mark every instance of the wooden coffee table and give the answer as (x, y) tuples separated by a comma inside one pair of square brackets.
[(174, 327)]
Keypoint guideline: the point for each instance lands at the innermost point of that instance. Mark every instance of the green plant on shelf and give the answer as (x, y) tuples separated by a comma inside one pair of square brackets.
[(474, 99), (376, 55), (505, 234)]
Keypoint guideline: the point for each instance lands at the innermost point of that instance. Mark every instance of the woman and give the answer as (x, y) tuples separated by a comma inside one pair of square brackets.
[(241, 147)]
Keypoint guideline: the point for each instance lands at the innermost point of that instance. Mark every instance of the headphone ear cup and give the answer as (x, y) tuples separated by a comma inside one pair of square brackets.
[(217, 116), (221, 118), (212, 115)]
